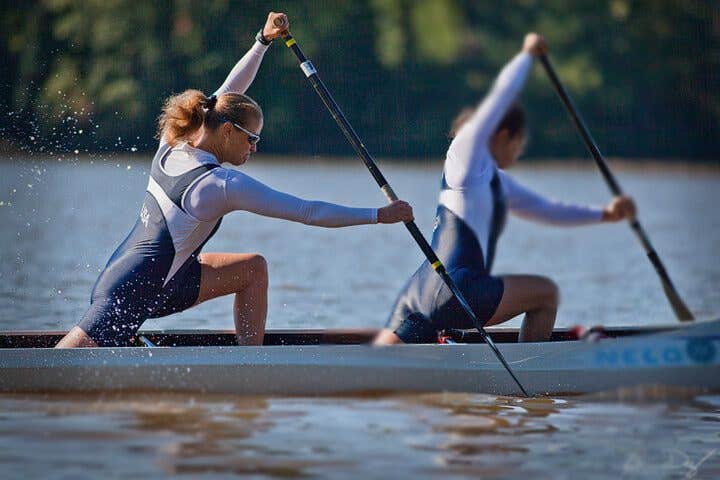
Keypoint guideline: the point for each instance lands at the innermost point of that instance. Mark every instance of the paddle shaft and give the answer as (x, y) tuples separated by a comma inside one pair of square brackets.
[(678, 306), (352, 137)]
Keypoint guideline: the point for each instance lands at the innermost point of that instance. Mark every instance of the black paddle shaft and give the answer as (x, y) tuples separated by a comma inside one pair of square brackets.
[(352, 137), (678, 306)]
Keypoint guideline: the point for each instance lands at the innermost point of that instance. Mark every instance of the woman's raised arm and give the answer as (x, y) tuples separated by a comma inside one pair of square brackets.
[(243, 73), (465, 156)]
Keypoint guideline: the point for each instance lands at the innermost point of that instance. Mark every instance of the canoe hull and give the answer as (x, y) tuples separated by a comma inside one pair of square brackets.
[(686, 357)]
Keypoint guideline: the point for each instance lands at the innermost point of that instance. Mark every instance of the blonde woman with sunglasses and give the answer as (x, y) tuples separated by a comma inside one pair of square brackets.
[(159, 270)]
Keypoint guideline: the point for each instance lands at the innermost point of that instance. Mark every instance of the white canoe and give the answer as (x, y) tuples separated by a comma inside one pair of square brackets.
[(324, 362)]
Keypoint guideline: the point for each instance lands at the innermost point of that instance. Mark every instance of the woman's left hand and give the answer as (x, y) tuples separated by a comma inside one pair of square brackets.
[(270, 30), (619, 208)]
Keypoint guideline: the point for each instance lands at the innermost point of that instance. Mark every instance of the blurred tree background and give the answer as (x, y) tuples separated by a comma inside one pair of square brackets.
[(92, 74)]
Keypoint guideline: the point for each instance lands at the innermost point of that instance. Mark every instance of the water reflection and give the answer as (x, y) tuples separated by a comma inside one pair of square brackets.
[(430, 435)]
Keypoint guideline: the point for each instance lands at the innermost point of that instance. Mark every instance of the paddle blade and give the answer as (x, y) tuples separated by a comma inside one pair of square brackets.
[(681, 310)]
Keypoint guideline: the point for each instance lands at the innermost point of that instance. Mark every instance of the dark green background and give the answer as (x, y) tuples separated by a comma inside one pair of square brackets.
[(644, 73)]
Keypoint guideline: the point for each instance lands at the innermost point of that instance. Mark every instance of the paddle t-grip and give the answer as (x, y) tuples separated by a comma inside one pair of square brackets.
[(278, 22)]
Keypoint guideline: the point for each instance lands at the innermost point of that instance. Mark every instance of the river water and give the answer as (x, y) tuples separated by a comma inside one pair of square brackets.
[(61, 220)]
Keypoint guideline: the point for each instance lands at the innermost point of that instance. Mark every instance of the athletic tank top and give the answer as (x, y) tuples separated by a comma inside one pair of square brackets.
[(455, 242), (164, 238)]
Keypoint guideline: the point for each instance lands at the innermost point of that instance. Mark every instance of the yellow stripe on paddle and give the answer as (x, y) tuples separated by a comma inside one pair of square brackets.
[(290, 42)]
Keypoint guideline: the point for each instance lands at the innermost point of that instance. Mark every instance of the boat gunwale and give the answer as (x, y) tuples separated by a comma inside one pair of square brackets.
[(319, 336)]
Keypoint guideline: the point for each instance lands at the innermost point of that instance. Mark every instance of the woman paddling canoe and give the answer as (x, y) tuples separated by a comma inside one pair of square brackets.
[(475, 196), (158, 269)]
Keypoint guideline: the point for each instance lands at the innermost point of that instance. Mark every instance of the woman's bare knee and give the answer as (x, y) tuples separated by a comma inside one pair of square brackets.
[(543, 293), (551, 294), (228, 273), (259, 269)]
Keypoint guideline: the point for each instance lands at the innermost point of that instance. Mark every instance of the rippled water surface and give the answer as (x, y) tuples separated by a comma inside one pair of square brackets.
[(62, 220), (432, 436)]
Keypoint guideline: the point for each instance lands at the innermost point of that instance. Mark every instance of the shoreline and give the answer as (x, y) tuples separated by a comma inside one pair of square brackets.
[(531, 163)]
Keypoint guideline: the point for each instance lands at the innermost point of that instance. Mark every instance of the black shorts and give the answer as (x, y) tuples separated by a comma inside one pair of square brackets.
[(114, 318), (426, 305)]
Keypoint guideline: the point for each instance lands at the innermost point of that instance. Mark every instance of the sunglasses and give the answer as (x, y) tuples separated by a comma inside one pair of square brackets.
[(252, 137)]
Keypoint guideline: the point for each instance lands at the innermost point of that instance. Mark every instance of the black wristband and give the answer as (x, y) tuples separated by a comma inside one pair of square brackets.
[(261, 38)]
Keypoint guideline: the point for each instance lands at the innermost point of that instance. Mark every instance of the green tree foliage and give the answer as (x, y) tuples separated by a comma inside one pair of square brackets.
[(643, 72)]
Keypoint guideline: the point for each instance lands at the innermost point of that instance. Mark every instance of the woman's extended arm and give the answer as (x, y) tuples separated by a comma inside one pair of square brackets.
[(245, 193), (223, 191), (529, 205)]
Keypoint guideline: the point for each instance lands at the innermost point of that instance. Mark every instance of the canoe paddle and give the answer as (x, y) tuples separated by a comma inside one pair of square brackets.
[(347, 130), (681, 310)]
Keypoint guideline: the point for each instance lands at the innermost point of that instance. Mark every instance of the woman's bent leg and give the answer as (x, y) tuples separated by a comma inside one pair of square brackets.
[(538, 297), (245, 275)]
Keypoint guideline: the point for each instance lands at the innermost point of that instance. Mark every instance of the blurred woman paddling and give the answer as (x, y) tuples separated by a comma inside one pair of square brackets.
[(475, 197), (158, 269)]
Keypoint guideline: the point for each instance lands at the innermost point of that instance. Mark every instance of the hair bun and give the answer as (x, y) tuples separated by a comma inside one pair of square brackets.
[(210, 102)]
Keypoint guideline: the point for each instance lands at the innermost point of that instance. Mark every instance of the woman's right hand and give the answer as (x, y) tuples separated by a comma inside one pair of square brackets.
[(535, 45), (272, 31), (397, 211)]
